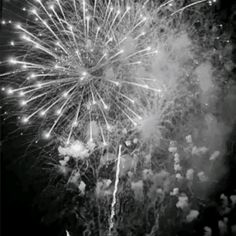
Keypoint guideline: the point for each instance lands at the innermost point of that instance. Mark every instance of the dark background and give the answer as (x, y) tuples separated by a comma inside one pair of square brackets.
[(19, 215)]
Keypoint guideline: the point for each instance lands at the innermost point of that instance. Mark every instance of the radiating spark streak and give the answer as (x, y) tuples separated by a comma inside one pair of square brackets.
[(10, 73), (148, 79), (74, 124), (140, 35), (96, 36), (129, 99), (111, 10), (52, 105), (125, 38), (111, 222), (84, 19), (28, 33), (108, 5), (90, 127), (94, 8), (134, 63), (61, 9), (42, 85), (149, 53), (76, 11), (100, 60), (34, 98), (45, 23), (73, 35), (132, 111), (60, 114), (78, 55), (164, 4), (94, 102), (138, 24), (41, 75), (109, 40), (88, 20), (36, 112), (113, 22), (190, 5), (129, 118), (24, 88), (22, 93), (138, 52), (145, 86), (127, 10), (64, 50), (113, 82), (55, 123), (13, 61), (40, 47), (102, 134), (101, 99), (105, 107), (49, 15), (145, 3), (117, 54), (58, 18), (104, 117), (125, 105)]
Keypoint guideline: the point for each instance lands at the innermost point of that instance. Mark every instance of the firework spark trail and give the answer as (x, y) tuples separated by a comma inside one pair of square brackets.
[(111, 221)]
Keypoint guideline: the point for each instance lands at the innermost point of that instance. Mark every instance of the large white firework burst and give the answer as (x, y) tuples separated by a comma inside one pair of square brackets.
[(85, 66)]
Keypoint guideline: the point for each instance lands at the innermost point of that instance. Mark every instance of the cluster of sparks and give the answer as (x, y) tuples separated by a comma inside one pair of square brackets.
[(78, 66)]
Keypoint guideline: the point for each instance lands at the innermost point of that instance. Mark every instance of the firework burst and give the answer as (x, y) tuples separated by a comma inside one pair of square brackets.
[(85, 66)]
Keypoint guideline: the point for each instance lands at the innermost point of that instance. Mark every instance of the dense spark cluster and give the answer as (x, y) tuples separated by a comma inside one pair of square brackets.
[(86, 66)]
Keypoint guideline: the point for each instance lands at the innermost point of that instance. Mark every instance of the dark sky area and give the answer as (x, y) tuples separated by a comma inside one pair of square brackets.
[(19, 216)]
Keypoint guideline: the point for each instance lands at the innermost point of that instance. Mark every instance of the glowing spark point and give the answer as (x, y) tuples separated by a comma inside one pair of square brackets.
[(34, 11), (42, 113), (46, 135), (23, 103), (58, 112), (21, 94), (9, 91), (12, 61), (39, 85), (75, 124), (25, 120)]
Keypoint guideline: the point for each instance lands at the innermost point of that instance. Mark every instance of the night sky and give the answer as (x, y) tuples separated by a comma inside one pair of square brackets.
[(20, 215)]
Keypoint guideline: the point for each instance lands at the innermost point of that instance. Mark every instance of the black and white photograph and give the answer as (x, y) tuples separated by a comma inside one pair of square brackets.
[(118, 117)]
